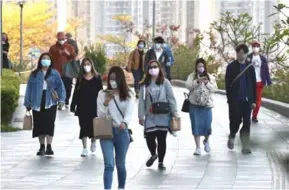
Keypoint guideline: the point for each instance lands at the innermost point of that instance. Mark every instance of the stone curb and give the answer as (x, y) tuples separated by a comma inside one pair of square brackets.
[(279, 107)]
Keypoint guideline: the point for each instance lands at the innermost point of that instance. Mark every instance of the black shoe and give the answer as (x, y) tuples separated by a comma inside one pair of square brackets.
[(49, 151), (246, 151), (151, 161), (41, 152), (230, 143), (255, 120), (162, 166)]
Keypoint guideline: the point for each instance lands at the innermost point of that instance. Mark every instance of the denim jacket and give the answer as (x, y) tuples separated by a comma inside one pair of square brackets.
[(34, 89)]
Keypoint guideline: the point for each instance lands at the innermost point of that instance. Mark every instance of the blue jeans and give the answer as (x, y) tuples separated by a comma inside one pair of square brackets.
[(120, 143), (137, 75)]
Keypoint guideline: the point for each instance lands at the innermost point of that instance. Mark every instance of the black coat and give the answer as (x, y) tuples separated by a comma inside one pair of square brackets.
[(151, 55), (74, 45), (233, 91)]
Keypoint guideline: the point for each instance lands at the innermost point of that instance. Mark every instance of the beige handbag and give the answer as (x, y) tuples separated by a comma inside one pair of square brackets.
[(176, 124), (102, 127), (27, 123)]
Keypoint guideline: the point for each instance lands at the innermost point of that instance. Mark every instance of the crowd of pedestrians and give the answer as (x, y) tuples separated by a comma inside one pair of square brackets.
[(48, 88)]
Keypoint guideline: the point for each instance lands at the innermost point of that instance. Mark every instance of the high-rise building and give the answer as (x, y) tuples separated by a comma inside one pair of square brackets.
[(259, 10), (104, 11)]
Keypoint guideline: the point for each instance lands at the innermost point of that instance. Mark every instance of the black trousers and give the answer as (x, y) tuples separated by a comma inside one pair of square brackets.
[(161, 137), (240, 111), (168, 73), (68, 87)]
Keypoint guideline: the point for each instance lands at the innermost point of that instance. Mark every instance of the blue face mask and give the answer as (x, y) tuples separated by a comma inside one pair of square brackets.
[(45, 62)]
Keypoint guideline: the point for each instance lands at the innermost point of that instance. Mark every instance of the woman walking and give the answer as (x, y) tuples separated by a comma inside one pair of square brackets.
[(84, 103), (43, 92), (5, 50), (156, 89), (201, 85), (117, 103)]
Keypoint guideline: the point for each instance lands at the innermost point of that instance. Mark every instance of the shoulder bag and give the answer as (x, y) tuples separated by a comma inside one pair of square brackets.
[(159, 107)]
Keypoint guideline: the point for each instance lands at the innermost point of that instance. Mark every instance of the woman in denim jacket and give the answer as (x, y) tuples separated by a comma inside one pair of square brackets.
[(44, 91)]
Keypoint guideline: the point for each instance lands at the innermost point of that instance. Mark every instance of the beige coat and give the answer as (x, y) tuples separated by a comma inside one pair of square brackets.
[(192, 85)]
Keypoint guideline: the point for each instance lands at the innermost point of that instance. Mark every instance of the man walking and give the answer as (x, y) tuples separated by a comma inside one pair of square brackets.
[(159, 54), (62, 53), (263, 78), (136, 65), (72, 42), (241, 95)]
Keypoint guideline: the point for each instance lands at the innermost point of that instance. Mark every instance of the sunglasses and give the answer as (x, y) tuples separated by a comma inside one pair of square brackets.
[(153, 67)]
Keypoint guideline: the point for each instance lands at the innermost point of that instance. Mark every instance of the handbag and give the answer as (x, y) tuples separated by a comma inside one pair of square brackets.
[(159, 107), (129, 130), (27, 122), (102, 128), (71, 69), (176, 124), (186, 104)]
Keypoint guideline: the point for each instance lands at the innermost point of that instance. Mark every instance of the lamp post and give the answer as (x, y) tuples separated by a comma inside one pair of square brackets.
[(154, 18), (21, 4)]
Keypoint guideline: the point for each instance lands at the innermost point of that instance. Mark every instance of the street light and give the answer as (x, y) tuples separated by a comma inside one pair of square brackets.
[(21, 4)]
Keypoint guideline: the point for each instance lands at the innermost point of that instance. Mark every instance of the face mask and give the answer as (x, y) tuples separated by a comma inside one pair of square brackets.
[(3, 38), (45, 62), (158, 46), (154, 72), (256, 49), (87, 68), (61, 42), (201, 69), (113, 84), (141, 46)]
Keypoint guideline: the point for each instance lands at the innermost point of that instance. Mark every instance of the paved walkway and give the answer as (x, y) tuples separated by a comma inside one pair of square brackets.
[(221, 169)]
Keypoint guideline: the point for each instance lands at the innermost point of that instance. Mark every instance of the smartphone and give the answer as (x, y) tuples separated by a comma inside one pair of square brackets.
[(109, 91)]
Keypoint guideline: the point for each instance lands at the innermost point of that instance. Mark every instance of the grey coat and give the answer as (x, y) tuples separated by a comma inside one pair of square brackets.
[(164, 94)]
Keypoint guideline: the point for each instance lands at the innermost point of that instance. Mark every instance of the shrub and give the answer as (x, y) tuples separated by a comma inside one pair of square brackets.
[(185, 58), (9, 95), (97, 54)]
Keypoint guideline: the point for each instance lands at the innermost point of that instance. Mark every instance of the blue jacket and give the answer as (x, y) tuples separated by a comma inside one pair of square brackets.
[(170, 54), (265, 74), (34, 89)]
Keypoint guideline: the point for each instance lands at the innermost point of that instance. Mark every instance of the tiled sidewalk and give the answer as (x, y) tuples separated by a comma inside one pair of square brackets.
[(221, 169)]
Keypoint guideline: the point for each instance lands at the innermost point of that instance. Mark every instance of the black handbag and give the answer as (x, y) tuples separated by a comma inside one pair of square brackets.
[(186, 104), (160, 107), (129, 130)]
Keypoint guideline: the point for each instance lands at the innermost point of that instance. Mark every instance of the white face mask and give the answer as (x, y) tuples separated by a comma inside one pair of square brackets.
[(87, 68), (154, 72), (61, 42), (158, 46), (256, 49), (113, 84)]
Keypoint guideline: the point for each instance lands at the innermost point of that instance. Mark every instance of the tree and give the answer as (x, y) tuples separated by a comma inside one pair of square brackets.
[(127, 27), (234, 30), (37, 27), (74, 24)]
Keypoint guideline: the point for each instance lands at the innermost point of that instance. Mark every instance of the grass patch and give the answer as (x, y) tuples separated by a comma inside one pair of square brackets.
[(8, 128)]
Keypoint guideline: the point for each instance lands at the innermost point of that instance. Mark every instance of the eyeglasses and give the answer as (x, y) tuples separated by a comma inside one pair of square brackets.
[(153, 67)]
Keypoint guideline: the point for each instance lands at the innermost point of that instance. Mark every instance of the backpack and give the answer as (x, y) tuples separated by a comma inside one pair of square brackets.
[(202, 96)]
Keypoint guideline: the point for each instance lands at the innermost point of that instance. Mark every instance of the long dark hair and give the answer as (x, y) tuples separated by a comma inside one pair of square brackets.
[(6, 40), (121, 82), (147, 79), (39, 66), (82, 71), (201, 60)]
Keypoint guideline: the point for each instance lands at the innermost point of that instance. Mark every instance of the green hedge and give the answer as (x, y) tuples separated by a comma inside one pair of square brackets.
[(10, 85), (278, 91)]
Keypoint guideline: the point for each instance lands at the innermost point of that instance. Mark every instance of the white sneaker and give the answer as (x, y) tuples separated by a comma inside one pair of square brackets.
[(93, 146), (84, 153), (174, 134), (197, 152), (207, 147)]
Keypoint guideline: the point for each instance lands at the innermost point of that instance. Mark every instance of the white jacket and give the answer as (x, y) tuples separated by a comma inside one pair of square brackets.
[(192, 85), (111, 110)]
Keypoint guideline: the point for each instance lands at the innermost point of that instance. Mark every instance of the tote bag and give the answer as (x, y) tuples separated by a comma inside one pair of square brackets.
[(102, 128), (27, 122)]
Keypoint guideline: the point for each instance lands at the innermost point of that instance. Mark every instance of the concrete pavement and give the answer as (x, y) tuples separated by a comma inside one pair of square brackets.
[(221, 169)]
